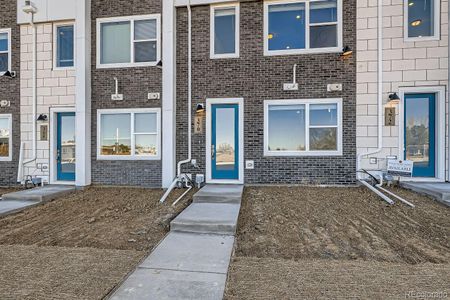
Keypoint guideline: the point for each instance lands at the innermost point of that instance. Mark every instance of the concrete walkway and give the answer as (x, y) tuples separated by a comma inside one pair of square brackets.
[(17, 201), (192, 261), (438, 190)]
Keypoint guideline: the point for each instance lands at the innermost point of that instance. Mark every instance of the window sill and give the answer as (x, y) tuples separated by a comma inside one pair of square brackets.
[(64, 68), (302, 154), (302, 51), (422, 39), (126, 65), (127, 158), (224, 56), (5, 159)]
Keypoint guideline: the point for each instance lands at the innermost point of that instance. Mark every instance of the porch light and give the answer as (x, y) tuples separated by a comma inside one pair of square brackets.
[(10, 74), (200, 108), (346, 51), (159, 65), (42, 118), (393, 98)]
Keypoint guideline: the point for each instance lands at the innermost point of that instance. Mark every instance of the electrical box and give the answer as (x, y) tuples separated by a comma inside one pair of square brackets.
[(43, 133), (153, 96), (389, 116), (117, 97), (334, 87), (249, 164), (290, 86), (5, 103)]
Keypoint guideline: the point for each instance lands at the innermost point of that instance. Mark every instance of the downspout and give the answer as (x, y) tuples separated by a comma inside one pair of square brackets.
[(380, 91), (34, 87), (189, 158)]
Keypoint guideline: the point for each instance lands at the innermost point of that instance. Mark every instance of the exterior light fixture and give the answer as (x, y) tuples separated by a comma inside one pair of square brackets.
[(42, 118), (200, 108), (159, 65), (10, 74), (346, 51), (394, 98), (416, 23)]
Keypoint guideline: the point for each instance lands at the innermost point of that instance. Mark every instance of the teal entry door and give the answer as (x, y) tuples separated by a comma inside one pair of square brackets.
[(225, 141), (65, 146), (420, 133)]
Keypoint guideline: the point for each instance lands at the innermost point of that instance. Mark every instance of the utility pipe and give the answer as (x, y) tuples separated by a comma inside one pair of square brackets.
[(383, 196), (396, 196), (380, 91), (34, 87)]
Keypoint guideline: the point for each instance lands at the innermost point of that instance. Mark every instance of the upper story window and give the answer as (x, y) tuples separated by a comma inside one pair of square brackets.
[(422, 19), (303, 127), (302, 26), (64, 46), (128, 41), (225, 31), (129, 134), (5, 50), (5, 137)]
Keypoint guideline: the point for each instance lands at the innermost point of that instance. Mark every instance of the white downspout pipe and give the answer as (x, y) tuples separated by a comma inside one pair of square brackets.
[(380, 91), (189, 158), (34, 87)]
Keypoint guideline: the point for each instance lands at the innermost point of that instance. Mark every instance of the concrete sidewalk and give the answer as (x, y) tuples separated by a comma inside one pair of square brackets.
[(438, 190), (17, 201), (192, 261)]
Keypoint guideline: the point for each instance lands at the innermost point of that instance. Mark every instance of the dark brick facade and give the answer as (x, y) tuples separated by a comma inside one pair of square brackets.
[(134, 84), (10, 90), (256, 78)]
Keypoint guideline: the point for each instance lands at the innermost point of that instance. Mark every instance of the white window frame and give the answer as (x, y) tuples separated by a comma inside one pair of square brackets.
[(307, 50), (7, 31), (437, 24), (307, 103), (55, 45), (130, 19), (213, 55), (133, 156), (9, 117)]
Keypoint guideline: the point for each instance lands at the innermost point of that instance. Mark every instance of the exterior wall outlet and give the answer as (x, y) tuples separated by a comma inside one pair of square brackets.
[(154, 96), (249, 164), (373, 160), (334, 87), (290, 87), (5, 103), (117, 97)]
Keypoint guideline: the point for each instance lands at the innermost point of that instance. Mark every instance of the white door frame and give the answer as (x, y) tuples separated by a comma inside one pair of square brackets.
[(440, 128), (209, 102), (53, 140)]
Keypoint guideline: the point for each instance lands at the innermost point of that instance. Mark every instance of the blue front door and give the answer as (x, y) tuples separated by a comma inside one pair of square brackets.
[(420, 133), (225, 141), (65, 146)]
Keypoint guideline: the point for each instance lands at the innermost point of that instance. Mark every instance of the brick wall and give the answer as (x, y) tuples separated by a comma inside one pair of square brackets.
[(55, 88), (256, 78), (134, 84), (9, 90), (405, 64)]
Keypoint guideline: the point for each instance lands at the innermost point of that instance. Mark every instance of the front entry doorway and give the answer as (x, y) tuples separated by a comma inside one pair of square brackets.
[(420, 144), (65, 146)]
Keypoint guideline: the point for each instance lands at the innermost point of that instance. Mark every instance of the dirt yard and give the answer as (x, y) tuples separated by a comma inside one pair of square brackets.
[(298, 242), (82, 246)]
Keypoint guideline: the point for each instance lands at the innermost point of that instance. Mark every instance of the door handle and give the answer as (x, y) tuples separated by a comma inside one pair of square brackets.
[(213, 151), (58, 155)]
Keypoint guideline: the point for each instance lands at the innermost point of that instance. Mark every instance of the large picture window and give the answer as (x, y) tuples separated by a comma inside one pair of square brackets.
[(294, 27), (5, 50), (129, 134), (225, 31), (64, 45), (422, 19), (5, 137), (303, 127), (128, 41)]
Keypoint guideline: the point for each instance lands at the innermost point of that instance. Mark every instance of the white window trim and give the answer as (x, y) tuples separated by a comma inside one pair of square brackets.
[(307, 50), (131, 19), (7, 31), (213, 55), (101, 112), (55, 45), (305, 102), (9, 117), (437, 24)]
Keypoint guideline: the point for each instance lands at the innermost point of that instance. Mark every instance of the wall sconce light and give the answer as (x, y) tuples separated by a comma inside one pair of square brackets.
[(200, 108), (346, 52), (42, 118), (10, 74), (159, 65), (393, 98)]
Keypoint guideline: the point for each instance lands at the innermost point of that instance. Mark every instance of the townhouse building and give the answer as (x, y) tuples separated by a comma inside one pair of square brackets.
[(138, 93)]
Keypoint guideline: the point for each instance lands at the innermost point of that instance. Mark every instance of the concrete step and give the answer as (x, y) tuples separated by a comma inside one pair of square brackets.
[(42, 194), (216, 193), (216, 218), (439, 191), (192, 252)]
